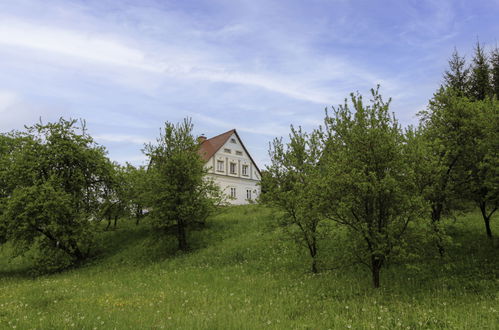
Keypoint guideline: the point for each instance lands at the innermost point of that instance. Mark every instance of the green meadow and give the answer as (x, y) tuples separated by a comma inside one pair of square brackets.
[(243, 274)]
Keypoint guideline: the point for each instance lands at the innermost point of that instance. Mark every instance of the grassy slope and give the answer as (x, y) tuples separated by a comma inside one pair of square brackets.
[(241, 275)]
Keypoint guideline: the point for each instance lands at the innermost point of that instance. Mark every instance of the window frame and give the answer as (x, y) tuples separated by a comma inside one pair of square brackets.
[(220, 166), (231, 166)]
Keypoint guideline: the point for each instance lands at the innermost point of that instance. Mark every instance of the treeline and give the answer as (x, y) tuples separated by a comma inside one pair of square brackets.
[(57, 185), (377, 190), (389, 188)]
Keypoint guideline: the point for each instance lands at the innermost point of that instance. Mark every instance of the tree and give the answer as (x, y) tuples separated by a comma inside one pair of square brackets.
[(370, 183), (480, 87), (180, 194), (116, 200), (457, 76), (54, 176), (291, 183), (494, 62), (480, 163), (137, 186)]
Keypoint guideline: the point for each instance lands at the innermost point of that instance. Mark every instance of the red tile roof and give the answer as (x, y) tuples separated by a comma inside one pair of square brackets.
[(210, 146)]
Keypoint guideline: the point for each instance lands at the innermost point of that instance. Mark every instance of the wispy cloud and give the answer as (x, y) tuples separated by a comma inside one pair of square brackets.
[(257, 65)]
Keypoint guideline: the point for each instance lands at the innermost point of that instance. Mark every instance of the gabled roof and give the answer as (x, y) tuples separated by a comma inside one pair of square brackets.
[(210, 146)]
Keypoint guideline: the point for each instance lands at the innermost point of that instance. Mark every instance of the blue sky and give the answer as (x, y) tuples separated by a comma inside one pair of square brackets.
[(255, 65)]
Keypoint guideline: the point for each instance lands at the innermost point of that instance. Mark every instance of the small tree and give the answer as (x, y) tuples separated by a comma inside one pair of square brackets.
[(180, 194), (136, 178), (480, 163), (116, 200), (54, 176), (457, 76), (480, 87), (494, 63), (291, 183), (370, 182)]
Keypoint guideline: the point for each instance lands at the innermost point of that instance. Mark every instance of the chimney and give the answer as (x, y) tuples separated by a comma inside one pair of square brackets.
[(201, 138)]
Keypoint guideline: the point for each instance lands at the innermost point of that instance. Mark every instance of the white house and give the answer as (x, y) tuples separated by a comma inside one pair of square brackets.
[(229, 163)]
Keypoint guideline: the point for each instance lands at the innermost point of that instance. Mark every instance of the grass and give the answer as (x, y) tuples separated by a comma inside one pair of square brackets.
[(241, 274)]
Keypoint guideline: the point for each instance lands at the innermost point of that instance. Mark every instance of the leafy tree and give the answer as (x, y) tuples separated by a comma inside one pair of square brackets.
[(54, 176), (136, 178), (445, 133), (291, 183), (116, 200), (457, 76), (370, 182), (481, 160), (480, 87), (179, 193)]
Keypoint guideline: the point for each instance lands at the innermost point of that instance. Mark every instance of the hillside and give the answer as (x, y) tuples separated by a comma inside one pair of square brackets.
[(241, 274)]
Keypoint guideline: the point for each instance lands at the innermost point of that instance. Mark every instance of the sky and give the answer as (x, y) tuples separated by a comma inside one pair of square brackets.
[(128, 66)]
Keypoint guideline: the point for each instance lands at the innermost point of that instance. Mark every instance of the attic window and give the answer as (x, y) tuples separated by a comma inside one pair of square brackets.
[(239, 153), (233, 140), (227, 150)]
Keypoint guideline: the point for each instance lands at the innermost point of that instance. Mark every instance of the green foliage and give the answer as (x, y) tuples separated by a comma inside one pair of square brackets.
[(494, 63), (369, 181), (136, 178), (457, 76), (116, 201), (480, 87), (291, 184), (179, 192), (53, 180)]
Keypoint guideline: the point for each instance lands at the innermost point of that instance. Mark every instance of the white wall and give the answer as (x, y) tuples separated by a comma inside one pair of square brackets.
[(237, 180)]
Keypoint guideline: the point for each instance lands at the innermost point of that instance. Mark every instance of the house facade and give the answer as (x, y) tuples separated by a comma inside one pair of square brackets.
[(230, 165)]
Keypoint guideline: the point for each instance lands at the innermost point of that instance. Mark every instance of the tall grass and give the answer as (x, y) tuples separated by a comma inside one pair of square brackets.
[(242, 274)]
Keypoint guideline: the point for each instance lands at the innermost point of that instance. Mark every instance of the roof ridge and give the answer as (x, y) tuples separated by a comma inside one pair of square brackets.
[(231, 130)]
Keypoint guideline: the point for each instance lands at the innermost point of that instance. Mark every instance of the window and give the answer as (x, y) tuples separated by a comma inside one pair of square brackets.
[(220, 165), (233, 192), (232, 168), (227, 150), (245, 170), (239, 153), (233, 140), (248, 194)]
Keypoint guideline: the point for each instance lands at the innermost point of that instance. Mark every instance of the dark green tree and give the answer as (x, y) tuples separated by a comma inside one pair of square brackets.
[(494, 63), (179, 192), (457, 76), (444, 126), (480, 87), (116, 200), (136, 190), (479, 166)]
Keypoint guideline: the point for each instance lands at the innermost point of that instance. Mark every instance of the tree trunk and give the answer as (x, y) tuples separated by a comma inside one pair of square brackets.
[(313, 253), (486, 219), (115, 221), (181, 236), (376, 264), (108, 223), (138, 215), (314, 265), (436, 214)]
